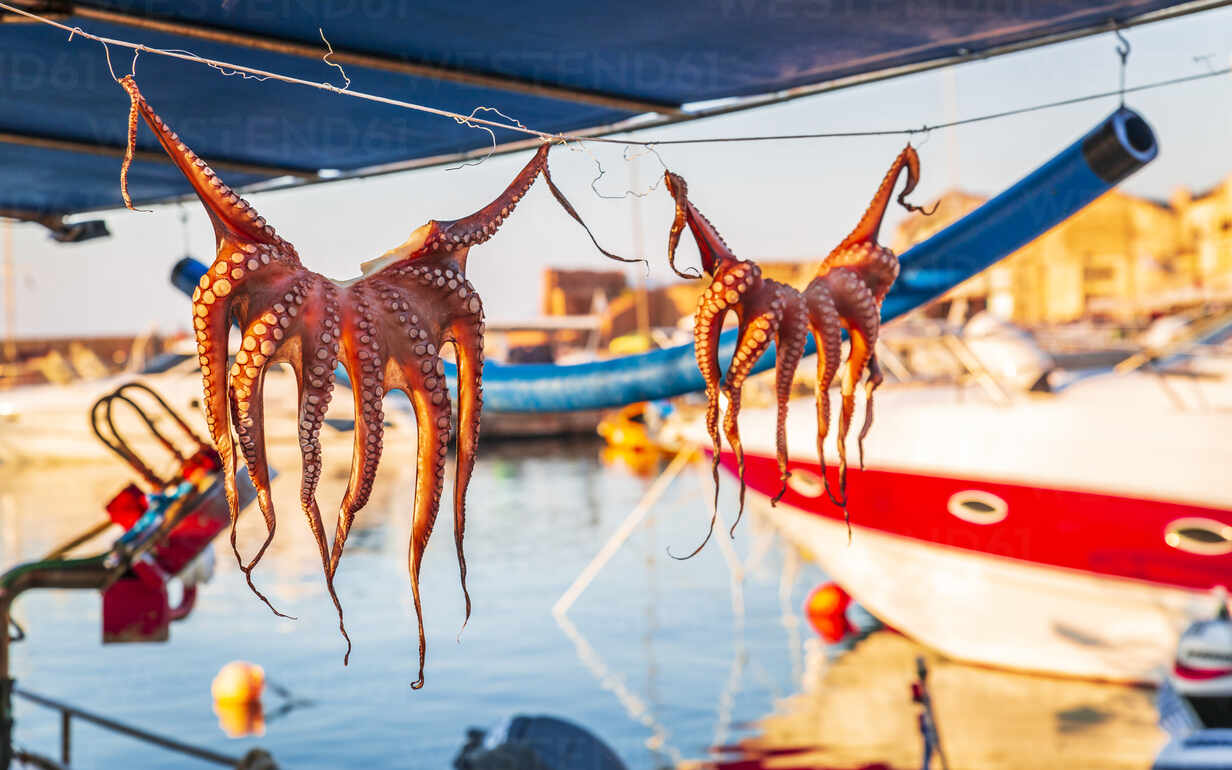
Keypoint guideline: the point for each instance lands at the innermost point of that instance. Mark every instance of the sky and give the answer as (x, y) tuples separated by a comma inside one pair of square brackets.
[(771, 200)]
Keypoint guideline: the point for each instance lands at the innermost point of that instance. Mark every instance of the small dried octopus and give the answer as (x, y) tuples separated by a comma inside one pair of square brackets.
[(847, 292), (386, 329)]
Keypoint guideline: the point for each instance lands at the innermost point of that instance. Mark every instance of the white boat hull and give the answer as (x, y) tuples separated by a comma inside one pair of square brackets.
[(1000, 612)]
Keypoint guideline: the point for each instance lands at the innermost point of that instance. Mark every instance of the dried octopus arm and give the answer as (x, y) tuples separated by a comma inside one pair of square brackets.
[(432, 424), (230, 214), (858, 307), (826, 326), (236, 225), (875, 378), (467, 334), (246, 388), (789, 349), (364, 354), (212, 324), (852, 251), (711, 247), (732, 278), (757, 329), (707, 326), (314, 373), (725, 294)]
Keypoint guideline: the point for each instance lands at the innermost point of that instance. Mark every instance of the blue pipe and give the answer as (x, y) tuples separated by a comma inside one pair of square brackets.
[(1118, 146)]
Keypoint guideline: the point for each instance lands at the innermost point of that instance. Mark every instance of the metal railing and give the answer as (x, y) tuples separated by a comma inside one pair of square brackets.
[(69, 712)]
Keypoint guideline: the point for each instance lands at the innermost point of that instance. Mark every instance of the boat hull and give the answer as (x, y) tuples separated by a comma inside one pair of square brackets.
[(1047, 580)]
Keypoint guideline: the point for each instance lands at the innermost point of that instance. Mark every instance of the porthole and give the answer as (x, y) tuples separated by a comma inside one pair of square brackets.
[(977, 507), (806, 483), (1202, 536)]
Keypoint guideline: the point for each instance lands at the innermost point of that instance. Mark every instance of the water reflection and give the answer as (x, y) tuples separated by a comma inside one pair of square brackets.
[(661, 659), (644, 659)]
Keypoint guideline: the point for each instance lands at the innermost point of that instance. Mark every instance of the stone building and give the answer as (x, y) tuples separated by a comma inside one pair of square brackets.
[(1122, 258)]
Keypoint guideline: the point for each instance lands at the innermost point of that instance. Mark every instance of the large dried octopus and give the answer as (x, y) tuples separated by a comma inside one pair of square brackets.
[(847, 292), (385, 328)]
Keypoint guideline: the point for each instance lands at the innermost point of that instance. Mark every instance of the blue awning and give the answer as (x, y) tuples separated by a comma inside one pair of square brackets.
[(556, 67)]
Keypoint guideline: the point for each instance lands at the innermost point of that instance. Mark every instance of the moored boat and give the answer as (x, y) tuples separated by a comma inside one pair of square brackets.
[(1075, 533)]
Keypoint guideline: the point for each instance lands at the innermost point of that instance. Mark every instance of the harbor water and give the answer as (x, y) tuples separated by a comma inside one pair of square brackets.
[(664, 660)]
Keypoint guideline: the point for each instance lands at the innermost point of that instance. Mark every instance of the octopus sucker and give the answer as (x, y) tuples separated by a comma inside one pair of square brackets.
[(847, 292), (385, 328)]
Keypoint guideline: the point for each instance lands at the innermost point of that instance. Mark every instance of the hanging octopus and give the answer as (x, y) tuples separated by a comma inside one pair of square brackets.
[(385, 328), (847, 292), (766, 311)]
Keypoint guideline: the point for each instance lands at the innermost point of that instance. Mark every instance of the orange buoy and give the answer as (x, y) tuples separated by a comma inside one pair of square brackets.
[(238, 682), (237, 699), (826, 610)]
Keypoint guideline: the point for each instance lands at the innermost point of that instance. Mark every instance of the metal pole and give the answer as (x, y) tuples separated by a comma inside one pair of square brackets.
[(66, 737), (622, 534), (10, 297), (639, 250)]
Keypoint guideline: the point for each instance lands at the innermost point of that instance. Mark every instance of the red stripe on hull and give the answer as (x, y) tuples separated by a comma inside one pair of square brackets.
[(1092, 532)]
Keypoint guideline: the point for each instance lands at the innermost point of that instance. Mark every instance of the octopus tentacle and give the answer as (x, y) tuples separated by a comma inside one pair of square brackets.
[(789, 344), (869, 227), (211, 319), (755, 335), (707, 326), (233, 218), (467, 334), (859, 309), (315, 364), (875, 378), (713, 250), (247, 384), (827, 332), (364, 359), (432, 424), (721, 297)]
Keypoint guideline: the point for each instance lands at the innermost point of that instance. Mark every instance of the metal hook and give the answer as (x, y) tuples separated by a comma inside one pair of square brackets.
[(1123, 48), (184, 229)]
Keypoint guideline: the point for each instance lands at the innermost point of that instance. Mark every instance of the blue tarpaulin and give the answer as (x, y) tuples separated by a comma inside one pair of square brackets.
[(556, 67)]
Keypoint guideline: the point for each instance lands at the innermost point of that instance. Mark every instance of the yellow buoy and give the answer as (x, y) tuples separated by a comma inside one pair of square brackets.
[(239, 719)]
